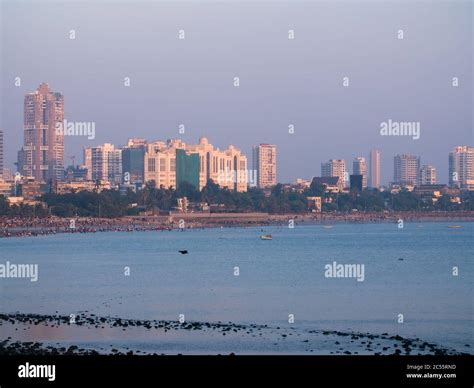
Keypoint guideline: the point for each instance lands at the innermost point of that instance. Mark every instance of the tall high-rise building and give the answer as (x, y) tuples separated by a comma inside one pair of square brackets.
[(374, 169), (427, 175), (359, 167), (104, 163), (187, 168), (133, 157), (335, 168), (461, 166), (87, 153), (42, 154), (1, 154), (265, 164), (406, 169)]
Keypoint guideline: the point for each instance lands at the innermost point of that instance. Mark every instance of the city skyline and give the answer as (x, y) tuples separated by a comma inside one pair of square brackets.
[(366, 156), (420, 174), (283, 83), (45, 128), (405, 172)]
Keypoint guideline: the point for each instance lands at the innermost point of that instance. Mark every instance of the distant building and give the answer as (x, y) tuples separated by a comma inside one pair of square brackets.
[(160, 163), (87, 158), (335, 168), (136, 143), (183, 205), (76, 173), (31, 189), (302, 182), (300, 185), (406, 170), (314, 204), (469, 185), (7, 175), (264, 160), (330, 184), (77, 186), (427, 175), (42, 154), (430, 193), (227, 168), (133, 163), (6, 188), (431, 189), (104, 163), (359, 167), (374, 169), (187, 168), (461, 167), (356, 182)]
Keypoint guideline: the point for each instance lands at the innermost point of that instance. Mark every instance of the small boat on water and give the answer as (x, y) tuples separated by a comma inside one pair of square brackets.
[(327, 226), (266, 237), (454, 226)]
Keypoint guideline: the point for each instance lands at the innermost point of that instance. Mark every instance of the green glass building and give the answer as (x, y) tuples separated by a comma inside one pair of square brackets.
[(133, 163), (187, 168)]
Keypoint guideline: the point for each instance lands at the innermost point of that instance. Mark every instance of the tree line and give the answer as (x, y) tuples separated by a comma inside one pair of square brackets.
[(113, 203)]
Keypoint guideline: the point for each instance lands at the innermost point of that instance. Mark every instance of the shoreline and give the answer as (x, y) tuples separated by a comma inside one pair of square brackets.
[(255, 336), (30, 227)]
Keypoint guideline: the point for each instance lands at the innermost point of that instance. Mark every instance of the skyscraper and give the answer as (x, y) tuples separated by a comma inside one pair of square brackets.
[(133, 156), (187, 168), (42, 154), (264, 163), (427, 175), (359, 167), (1, 154), (104, 163), (335, 168), (374, 169), (406, 169), (461, 166)]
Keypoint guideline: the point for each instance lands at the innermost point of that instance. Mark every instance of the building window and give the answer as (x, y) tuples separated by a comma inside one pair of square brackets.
[(151, 165)]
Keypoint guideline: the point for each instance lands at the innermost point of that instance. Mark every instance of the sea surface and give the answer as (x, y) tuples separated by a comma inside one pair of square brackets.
[(231, 275)]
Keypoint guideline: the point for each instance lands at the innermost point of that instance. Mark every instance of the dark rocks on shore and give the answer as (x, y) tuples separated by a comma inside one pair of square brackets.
[(38, 349), (92, 321)]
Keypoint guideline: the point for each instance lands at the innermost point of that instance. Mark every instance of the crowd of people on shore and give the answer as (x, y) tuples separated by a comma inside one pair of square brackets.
[(17, 227), (37, 226)]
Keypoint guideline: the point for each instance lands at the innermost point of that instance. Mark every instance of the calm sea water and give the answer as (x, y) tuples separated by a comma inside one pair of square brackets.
[(85, 272)]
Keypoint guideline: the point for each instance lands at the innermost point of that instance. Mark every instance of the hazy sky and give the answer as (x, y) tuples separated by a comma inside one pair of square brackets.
[(282, 81)]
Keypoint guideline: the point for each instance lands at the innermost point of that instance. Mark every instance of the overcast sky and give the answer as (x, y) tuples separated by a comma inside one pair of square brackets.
[(282, 81)]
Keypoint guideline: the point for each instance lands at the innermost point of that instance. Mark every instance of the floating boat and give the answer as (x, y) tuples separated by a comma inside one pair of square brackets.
[(454, 226), (327, 226), (266, 237)]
